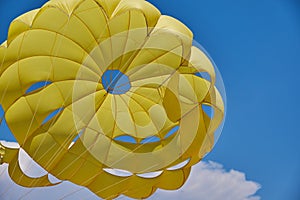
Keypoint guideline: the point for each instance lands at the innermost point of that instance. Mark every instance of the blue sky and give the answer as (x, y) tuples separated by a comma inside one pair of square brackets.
[(256, 46)]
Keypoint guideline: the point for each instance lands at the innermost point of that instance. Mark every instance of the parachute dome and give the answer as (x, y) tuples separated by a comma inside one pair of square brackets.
[(107, 94)]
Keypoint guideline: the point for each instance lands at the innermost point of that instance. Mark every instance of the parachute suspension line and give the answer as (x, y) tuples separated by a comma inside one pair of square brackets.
[(122, 180), (2, 154), (102, 189), (30, 163), (128, 62), (75, 191), (72, 193), (113, 80), (2, 148), (53, 121), (18, 58), (126, 155), (70, 138), (1, 119), (4, 45), (27, 132), (82, 187), (1, 109)]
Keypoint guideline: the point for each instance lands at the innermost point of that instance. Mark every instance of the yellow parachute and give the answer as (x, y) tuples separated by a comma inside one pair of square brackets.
[(77, 76)]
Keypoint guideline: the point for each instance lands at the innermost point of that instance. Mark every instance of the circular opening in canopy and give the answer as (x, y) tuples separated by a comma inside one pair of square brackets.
[(115, 82)]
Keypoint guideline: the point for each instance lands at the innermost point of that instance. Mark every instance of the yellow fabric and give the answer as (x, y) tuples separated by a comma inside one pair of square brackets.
[(72, 43)]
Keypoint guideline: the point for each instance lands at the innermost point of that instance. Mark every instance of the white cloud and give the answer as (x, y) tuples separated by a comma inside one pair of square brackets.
[(208, 181)]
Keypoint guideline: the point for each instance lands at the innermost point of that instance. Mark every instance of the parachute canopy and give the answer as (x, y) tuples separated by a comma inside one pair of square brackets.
[(91, 87)]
